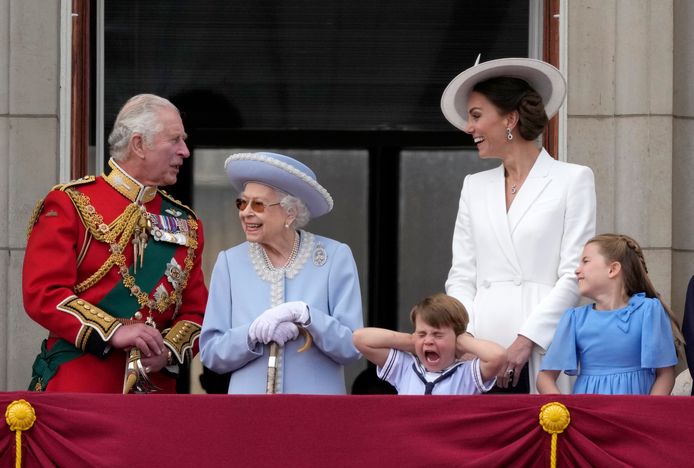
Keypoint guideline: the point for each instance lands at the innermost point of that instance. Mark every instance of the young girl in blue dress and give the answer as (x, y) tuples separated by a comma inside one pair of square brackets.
[(623, 342)]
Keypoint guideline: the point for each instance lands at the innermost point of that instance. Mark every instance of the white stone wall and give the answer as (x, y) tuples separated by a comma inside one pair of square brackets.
[(683, 151), (29, 78), (620, 119)]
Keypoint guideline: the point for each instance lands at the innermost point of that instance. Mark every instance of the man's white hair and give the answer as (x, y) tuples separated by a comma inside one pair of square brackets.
[(139, 115)]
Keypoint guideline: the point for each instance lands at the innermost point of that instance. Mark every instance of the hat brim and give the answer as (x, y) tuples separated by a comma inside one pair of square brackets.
[(265, 169), (541, 76)]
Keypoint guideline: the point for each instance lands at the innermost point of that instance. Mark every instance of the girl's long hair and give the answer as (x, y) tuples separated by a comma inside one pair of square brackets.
[(626, 251)]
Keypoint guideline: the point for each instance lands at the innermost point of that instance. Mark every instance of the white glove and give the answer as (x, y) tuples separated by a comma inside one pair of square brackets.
[(285, 331), (296, 311), (262, 329)]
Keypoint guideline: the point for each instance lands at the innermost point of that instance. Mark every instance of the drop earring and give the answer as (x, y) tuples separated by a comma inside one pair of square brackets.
[(509, 135)]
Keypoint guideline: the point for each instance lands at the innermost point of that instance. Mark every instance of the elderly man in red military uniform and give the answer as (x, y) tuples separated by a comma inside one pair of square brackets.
[(112, 266)]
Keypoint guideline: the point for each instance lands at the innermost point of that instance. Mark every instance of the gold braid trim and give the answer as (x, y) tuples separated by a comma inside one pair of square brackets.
[(118, 235), (83, 337), (181, 337), (92, 319), (73, 183), (94, 222), (34, 217)]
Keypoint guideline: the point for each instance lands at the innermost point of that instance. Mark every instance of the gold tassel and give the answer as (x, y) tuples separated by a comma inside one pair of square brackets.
[(554, 418), (140, 237), (20, 416)]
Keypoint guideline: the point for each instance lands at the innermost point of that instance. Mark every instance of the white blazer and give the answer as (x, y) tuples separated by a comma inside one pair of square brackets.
[(515, 271)]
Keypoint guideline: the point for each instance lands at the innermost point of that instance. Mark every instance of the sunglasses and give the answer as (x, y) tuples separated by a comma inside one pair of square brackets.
[(257, 206)]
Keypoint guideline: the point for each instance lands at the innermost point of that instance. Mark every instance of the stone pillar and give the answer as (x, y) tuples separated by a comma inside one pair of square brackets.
[(29, 107), (683, 152), (620, 122)]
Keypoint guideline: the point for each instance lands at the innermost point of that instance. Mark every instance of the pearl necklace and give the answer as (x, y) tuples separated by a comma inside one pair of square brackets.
[(290, 260)]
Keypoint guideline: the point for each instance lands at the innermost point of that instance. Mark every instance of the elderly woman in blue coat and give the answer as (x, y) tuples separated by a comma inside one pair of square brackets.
[(281, 280)]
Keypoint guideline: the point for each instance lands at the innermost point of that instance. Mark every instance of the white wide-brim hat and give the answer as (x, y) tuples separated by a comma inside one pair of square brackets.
[(280, 172), (541, 76)]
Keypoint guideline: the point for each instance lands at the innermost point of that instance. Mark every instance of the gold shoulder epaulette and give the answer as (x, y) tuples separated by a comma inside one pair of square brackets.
[(81, 181), (178, 202), (61, 187)]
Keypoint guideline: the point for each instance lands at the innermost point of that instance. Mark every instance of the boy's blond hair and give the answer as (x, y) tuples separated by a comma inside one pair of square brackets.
[(439, 311)]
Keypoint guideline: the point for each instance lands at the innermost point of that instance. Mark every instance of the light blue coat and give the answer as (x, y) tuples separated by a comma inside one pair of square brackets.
[(324, 276)]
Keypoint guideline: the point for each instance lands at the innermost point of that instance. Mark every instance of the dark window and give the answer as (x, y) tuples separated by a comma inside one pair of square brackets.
[(305, 64)]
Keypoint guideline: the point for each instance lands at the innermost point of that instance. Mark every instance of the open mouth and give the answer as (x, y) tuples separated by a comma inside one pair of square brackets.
[(431, 357), (478, 140)]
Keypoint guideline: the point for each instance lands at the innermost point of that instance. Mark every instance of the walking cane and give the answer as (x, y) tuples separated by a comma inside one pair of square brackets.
[(270, 388), (136, 377), (272, 368)]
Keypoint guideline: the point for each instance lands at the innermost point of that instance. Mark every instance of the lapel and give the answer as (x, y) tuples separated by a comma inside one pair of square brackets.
[(496, 210), (535, 183)]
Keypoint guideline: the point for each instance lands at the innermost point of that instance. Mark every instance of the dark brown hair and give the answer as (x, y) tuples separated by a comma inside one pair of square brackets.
[(441, 311), (627, 252), (513, 94)]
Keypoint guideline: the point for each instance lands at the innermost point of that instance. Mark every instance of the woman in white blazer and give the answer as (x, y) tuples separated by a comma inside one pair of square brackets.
[(520, 227)]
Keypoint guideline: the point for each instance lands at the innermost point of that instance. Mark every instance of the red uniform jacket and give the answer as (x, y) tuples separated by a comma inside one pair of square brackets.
[(80, 282)]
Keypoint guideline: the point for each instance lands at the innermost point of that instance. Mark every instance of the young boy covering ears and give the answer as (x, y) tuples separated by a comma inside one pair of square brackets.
[(438, 339)]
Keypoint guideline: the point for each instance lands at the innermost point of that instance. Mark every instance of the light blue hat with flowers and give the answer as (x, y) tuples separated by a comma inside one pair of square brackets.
[(280, 172)]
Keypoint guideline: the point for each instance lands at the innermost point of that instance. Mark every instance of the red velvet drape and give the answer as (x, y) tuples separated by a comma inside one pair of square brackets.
[(329, 431)]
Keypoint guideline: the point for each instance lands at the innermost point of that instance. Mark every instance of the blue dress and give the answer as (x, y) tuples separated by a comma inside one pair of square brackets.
[(614, 351)]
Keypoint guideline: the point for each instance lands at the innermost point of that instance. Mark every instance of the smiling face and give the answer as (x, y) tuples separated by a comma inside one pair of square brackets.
[(435, 347), (594, 271), (265, 227), (487, 126), (160, 160)]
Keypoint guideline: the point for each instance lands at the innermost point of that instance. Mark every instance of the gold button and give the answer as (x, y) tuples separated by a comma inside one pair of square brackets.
[(138, 315), (80, 302)]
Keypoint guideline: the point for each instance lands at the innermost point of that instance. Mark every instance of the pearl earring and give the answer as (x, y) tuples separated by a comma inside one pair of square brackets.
[(509, 135)]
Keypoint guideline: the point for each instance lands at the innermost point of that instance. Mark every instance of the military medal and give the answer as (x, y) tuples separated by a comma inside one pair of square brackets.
[(170, 229)]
